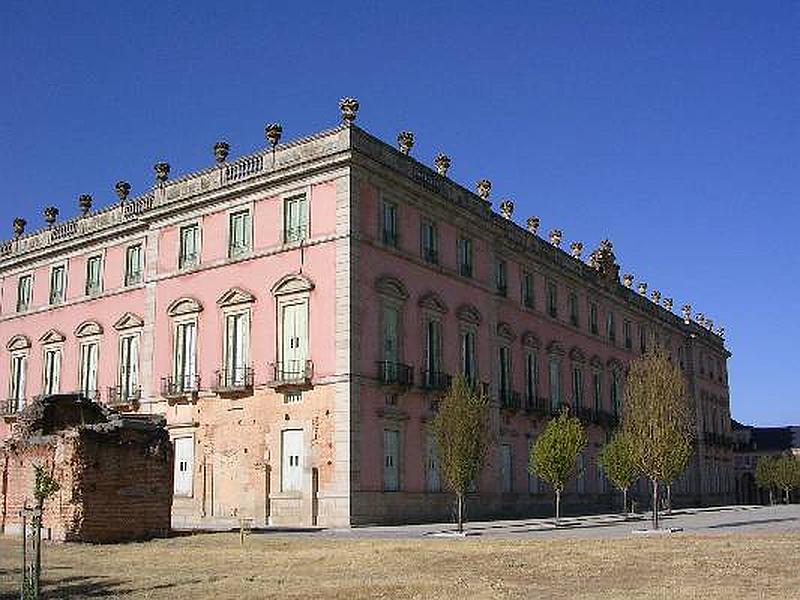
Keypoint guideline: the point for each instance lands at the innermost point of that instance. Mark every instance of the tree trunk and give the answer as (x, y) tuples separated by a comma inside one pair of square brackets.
[(624, 501), (786, 496), (655, 504), (460, 513), (669, 498), (771, 498), (558, 505)]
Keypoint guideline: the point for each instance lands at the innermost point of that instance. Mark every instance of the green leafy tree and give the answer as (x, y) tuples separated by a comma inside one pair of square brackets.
[(787, 474), (461, 427), (553, 456), (765, 475), (678, 461), (657, 419), (617, 460)]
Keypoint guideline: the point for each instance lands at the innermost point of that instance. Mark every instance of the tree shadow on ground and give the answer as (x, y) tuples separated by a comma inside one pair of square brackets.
[(750, 522)]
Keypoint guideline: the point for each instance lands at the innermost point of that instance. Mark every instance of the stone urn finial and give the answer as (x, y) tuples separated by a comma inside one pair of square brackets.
[(442, 162), (668, 303), (85, 204), (643, 287), (507, 208), (576, 249), (221, 151), (721, 332), (273, 132), (162, 171), (482, 188), (700, 319), (123, 188), (405, 141), (555, 237), (627, 280), (533, 225), (655, 296), (50, 215), (349, 108), (19, 226), (709, 324), (686, 311)]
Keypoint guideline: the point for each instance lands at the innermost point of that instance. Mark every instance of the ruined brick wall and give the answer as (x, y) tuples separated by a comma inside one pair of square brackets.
[(115, 482)]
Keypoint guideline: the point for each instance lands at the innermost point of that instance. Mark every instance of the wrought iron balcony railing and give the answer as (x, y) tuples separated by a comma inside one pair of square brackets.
[(11, 406), (295, 374), (435, 381), (180, 386), (124, 395), (394, 373), (510, 400), (430, 255), (537, 406), (233, 379)]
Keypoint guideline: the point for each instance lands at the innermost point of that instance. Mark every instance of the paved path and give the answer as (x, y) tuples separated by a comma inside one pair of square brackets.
[(716, 520)]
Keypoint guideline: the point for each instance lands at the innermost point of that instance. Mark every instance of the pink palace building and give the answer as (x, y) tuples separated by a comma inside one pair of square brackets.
[(295, 314)]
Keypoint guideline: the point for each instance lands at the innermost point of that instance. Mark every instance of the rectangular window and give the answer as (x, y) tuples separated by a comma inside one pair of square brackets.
[(430, 242), (295, 219), (597, 386), (24, 292), (433, 351), (611, 327), (468, 366), (292, 397), (391, 334), (577, 387), (432, 472), (189, 252), (626, 329), (94, 268), (465, 257), (552, 299), (237, 334), (291, 460), (129, 368), (183, 466), (531, 379), (505, 468), (185, 369), (18, 369), (133, 265), (52, 371), (615, 392), (573, 309), (593, 328), (294, 342), (58, 280), (501, 278), (239, 234), (642, 339), (504, 372), (391, 459), (555, 384), (389, 224), (527, 290), (88, 370)]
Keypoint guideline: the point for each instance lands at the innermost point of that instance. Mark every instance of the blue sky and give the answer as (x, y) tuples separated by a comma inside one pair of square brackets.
[(671, 128)]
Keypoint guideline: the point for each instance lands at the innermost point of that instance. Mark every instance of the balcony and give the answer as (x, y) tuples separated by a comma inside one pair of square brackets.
[(185, 387), (124, 398), (292, 235), (233, 382), (586, 415), (537, 406), (11, 407), (292, 375), (606, 419), (510, 400), (435, 381), (93, 395), (430, 255), (395, 375)]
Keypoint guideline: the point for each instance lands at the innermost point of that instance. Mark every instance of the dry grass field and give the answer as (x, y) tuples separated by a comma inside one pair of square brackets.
[(217, 566)]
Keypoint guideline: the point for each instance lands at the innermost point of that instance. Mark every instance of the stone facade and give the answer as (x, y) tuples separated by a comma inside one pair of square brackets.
[(345, 259), (114, 473)]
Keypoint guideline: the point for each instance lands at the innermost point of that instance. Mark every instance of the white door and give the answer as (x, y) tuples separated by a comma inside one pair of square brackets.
[(505, 466), (293, 350), (391, 455), (291, 460), (434, 481), (184, 464)]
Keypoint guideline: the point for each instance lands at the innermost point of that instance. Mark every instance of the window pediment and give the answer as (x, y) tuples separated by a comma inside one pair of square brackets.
[(432, 301), (293, 283), (184, 306), (18, 342), (88, 328), (614, 364), (469, 314), (387, 285), (52, 336), (530, 340), (235, 296), (555, 348), (596, 362), (505, 331), (577, 355), (128, 321)]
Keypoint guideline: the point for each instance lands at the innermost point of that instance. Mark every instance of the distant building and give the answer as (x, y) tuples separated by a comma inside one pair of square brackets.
[(296, 313), (752, 443)]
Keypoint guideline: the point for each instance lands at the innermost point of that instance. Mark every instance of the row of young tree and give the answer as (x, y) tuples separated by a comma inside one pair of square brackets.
[(654, 440), (778, 473)]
